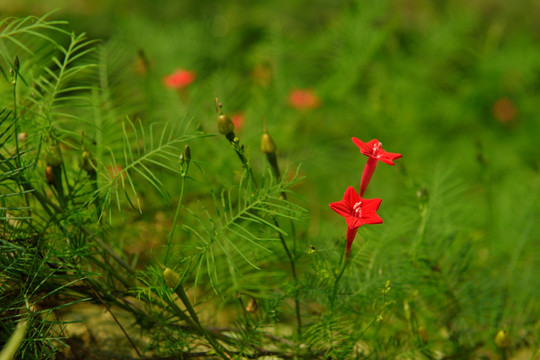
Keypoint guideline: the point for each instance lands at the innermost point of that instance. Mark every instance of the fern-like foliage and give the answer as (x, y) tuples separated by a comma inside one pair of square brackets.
[(143, 152), (60, 87), (242, 235), (15, 33)]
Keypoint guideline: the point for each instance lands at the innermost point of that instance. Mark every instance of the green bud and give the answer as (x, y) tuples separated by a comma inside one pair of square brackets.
[(502, 339), (181, 159), (171, 278), (267, 144), (225, 125), (88, 162), (16, 63), (187, 153), (423, 334)]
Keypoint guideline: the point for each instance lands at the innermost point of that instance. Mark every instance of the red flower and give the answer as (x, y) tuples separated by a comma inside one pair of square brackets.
[(179, 79), (238, 121), (303, 99), (373, 150), (357, 212)]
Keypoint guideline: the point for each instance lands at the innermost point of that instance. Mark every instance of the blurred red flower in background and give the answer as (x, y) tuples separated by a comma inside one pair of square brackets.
[(238, 121), (304, 99), (179, 79)]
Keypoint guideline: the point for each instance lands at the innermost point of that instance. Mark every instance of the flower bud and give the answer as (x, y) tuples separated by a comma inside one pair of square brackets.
[(16, 63), (181, 159), (251, 306), (422, 194), (225, 125), (502, 339), (171, 277), (187, 153), (49, 176), (22, 136), (423, 334), (88, 162), (267, 144)]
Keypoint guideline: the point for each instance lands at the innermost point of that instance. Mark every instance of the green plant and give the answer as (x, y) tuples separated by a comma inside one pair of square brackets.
[(122, 196)]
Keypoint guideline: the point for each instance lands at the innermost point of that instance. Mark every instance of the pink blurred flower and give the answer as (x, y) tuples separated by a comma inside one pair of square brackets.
[(304, 99), (238, 120), (179, 79)]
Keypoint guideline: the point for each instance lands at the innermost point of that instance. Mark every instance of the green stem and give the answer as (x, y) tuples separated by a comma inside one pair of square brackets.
[(421, 228), (344, 264), (16, 129), (272, 160), (241, 155), (17, 159), (185, 300), (169, 241), (295, 277)]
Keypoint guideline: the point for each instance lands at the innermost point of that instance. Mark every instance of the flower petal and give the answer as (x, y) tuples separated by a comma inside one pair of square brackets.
[(341, 207), (371, 205), (351, 196), (364, 148), (372, 218), (354, 222), (387, 157)]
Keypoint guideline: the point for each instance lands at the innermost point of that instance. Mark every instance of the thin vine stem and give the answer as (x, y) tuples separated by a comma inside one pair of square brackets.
[(245, 162), (175, 220), (295, 278), (344, 265)]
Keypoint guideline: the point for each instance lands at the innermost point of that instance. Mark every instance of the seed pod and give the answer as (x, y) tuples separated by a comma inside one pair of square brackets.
[(267, 144), (502, 339), (171, 277), (22, 136), (49, 176), (225, 125)]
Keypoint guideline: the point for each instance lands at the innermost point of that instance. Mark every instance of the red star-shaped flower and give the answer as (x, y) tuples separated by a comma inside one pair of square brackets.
[(373, 150), (357, 211)]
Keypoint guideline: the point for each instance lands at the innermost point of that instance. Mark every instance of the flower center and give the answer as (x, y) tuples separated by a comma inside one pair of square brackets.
[(376, 147), (357, 209)]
